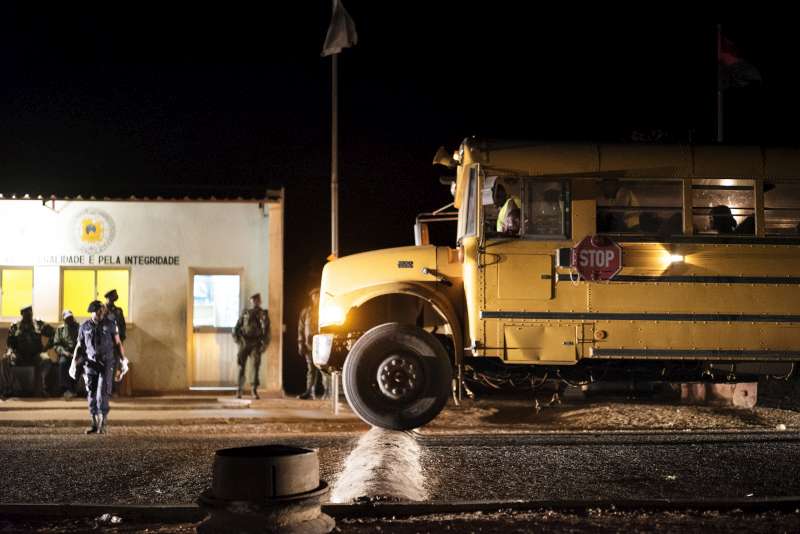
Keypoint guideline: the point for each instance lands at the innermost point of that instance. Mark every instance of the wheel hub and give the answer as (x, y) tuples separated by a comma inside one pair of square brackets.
[(400, 377)]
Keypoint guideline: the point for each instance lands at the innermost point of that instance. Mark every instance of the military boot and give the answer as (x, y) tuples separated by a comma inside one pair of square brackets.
[(102, 424), (93, 429), (255, 392)]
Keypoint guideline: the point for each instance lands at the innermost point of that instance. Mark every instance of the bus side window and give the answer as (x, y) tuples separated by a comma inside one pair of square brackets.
[(723, 206), (545, 209), (649, 207), (782, 208)]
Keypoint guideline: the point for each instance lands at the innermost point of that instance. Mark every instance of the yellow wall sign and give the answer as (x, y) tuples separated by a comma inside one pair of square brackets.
[(93, 230)]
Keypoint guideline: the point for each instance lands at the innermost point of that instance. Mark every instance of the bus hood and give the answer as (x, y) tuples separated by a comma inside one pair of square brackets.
[(350, 274), (400, 264)]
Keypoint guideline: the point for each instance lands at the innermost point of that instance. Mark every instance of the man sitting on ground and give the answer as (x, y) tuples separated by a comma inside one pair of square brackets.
[(25, 342)]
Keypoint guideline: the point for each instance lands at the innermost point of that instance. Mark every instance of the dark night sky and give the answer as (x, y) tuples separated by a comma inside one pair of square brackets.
[(104, 100)]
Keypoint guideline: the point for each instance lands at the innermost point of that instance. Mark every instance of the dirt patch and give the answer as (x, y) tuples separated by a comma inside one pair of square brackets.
[(610, 415)]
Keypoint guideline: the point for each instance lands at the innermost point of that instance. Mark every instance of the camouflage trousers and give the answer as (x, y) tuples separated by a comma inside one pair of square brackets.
[(252, 353), (317, 382), (6, 376)]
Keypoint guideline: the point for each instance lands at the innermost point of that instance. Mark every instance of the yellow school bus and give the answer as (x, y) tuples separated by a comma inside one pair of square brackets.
[(699, 278)]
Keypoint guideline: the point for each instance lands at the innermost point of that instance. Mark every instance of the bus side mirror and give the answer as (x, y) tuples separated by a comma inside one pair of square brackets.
[(421, 234), (442, 157)]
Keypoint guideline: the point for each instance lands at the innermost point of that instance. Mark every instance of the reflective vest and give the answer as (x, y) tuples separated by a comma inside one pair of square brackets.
[(501, 217)]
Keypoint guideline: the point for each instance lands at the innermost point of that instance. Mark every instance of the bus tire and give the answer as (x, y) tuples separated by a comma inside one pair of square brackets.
[(397, 376)]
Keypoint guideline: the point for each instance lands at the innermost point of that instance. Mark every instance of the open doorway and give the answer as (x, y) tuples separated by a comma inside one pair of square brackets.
[(214, 306)]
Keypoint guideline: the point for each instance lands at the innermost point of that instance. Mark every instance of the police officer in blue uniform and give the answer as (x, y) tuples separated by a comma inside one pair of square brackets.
[(97, 339)]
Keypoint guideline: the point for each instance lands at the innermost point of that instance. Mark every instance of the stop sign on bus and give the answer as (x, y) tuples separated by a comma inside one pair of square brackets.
[(597, 258)]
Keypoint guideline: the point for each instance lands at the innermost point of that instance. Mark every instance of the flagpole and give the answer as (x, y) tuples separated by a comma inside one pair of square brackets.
[(334, 158), (341, 34), (720, 124)]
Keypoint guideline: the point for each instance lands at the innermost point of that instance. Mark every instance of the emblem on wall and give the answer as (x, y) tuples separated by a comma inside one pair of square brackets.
[(93, 230)]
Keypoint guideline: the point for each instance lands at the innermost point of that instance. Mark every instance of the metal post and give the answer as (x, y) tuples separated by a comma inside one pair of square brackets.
[(335, 387), (334, 158)]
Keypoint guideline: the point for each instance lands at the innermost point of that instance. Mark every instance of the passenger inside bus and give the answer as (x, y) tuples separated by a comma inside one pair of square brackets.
[(721, 221), (620, 196), (672, 225), (616, 196), (748, 225)]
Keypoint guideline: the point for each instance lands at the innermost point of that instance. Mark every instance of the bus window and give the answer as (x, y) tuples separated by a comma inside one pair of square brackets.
[(723, 207), (545, 209), (525, 207), (649, 207), (472, 211), (782, 209), (468, 213)]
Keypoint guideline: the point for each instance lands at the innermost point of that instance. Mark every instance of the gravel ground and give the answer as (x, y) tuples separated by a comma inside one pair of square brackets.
[(608, 470), (491, 449), (140, 465), (133, 465)]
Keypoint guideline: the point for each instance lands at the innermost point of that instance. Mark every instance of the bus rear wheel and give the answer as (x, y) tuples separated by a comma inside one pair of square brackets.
[(397, 376)]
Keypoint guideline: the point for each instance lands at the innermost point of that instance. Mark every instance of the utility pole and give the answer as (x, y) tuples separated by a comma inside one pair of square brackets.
[(334, 157)]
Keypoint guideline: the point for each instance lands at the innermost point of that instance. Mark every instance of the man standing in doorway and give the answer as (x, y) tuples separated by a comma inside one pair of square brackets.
[(252, 335), (64, 343), (307, 327), (25, 341), (97, 338), (115, 314)]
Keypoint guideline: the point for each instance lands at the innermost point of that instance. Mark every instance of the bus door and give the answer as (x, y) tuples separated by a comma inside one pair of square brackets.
[(525, 220)]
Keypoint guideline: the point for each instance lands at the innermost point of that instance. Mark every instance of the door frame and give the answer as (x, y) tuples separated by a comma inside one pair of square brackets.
[(190, 313)]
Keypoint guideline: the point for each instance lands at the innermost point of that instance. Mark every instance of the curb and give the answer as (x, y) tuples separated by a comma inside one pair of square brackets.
[(190, 513)]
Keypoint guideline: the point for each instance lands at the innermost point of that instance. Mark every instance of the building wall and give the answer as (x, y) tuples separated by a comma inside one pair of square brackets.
[(200, 234)]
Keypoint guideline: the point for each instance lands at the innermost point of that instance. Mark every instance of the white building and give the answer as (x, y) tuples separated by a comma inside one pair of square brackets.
[(184, 270)]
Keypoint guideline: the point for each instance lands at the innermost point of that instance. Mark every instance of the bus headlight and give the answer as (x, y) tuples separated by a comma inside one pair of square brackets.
[(322, 349), (330, 314)]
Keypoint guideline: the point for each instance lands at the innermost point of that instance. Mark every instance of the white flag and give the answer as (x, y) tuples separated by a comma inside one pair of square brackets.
[(341, 32)]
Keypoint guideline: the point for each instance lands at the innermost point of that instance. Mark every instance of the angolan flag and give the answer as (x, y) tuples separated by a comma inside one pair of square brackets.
[(341, 32), (734, 71)]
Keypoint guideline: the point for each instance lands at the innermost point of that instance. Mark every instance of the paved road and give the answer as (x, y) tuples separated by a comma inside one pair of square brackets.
[(163, 464)]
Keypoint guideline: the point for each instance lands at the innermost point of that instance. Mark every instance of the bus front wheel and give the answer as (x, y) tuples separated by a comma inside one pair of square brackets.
[(397, 376)]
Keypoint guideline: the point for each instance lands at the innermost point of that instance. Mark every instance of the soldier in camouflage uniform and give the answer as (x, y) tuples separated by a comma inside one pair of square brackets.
[(26, 347), (307, 327), (114, 313), (252, 335), (64, 344)]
